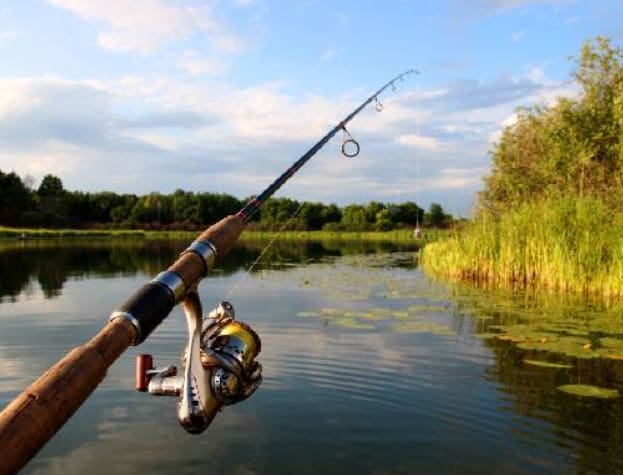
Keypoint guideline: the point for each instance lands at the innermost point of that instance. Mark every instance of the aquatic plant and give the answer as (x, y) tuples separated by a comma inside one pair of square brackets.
[(587, 390), (567, 244)]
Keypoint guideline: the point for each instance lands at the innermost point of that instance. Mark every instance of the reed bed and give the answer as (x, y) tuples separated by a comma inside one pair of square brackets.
[(568, 244)]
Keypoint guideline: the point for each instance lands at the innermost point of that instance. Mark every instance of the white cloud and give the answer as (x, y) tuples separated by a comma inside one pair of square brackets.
[(145, 25), (137, 134), (194, 65), (419, 141)]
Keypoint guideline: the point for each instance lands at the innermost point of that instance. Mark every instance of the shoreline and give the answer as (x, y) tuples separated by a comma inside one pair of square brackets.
[(402, 235)]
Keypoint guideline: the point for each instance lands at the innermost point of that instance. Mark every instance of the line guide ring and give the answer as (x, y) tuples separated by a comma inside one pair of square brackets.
[(347, 148), (350, 147)]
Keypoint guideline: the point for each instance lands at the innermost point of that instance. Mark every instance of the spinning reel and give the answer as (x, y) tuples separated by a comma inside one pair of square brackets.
[(219, 367)]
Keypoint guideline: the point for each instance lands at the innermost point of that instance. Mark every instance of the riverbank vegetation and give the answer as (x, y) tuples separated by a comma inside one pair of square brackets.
[(51, 206), (398, 235), (551, 213)]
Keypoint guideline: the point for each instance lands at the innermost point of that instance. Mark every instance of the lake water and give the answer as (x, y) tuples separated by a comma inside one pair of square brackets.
[(370, 367)]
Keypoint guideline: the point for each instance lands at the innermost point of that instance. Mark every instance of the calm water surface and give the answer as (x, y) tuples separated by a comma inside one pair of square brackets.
[(369, 367)]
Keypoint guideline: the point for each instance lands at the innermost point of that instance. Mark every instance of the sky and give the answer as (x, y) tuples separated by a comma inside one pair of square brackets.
[(134, 96)]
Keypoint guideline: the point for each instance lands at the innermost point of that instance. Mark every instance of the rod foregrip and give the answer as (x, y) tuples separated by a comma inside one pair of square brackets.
[(153, 302), (224, 234), (32, 418), (211, 245)]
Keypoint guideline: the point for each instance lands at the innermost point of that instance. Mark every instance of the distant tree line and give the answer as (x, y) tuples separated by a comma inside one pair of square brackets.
[(51, 206)]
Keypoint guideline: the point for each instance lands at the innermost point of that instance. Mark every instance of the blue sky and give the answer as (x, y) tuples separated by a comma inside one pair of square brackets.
[(154, 95)]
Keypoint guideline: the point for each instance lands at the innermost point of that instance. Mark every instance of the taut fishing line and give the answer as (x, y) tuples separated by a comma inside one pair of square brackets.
[(418, 231), (247, 273)]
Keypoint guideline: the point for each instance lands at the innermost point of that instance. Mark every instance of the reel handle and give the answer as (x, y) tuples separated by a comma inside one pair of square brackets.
[(144, 363)]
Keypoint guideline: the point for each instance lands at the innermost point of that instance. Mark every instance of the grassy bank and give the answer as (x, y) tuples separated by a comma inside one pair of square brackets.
[(403, 235), (569, 244)]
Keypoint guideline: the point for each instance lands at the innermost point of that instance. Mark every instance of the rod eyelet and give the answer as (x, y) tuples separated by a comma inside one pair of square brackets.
[(348, 150)]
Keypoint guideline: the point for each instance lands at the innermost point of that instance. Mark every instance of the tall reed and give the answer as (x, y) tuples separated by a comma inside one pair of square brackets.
[(565, 244)]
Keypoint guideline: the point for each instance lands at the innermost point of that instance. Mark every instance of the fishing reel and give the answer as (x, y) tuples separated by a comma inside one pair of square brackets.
[(219, 367)]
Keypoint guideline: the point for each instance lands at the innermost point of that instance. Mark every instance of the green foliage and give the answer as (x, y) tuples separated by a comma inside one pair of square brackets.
[(354, 218), (573, 147), (14, 198), (436, 216), (51, 186), (551, 213), (568, 244), (53, 206)]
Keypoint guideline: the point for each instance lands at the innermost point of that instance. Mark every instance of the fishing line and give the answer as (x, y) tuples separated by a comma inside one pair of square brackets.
[(417, 231), (247, 273)]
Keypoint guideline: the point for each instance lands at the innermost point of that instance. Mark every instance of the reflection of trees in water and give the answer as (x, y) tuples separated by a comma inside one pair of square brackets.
[(590, 429), (51, 263)]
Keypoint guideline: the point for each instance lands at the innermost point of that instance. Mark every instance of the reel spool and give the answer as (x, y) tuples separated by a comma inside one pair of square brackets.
[(219, 366)]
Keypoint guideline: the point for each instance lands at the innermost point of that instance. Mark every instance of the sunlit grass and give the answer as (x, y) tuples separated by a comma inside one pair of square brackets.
[(402, 235), (570, 244)]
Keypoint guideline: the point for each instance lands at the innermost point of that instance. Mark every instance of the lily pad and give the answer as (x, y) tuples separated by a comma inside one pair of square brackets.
[(308, 314), (609, 342), (611, 353), (351, 323), (547, 364), (421, 327), (567, 345), (587, 390)]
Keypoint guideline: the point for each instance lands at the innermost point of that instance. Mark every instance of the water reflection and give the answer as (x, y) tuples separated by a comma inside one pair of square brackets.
[(369, 368), (589, 431), (50, 263)]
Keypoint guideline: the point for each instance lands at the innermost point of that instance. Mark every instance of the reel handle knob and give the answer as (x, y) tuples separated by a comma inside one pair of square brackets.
[(144, 363)]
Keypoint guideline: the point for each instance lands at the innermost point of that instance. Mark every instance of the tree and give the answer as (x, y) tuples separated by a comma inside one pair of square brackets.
[(185, 207), (574, 147), (153, 207), (313, 216), (436, 217), (123, 213), (406, 214), (51, 186), (15, 198), (354, 218), (332, 214), (382, 220)]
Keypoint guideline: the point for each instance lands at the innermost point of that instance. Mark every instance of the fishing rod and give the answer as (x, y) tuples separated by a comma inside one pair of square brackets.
[(219, 366)]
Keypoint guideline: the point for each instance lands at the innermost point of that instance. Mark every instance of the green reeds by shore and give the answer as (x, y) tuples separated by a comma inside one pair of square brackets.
[(569, 244)]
